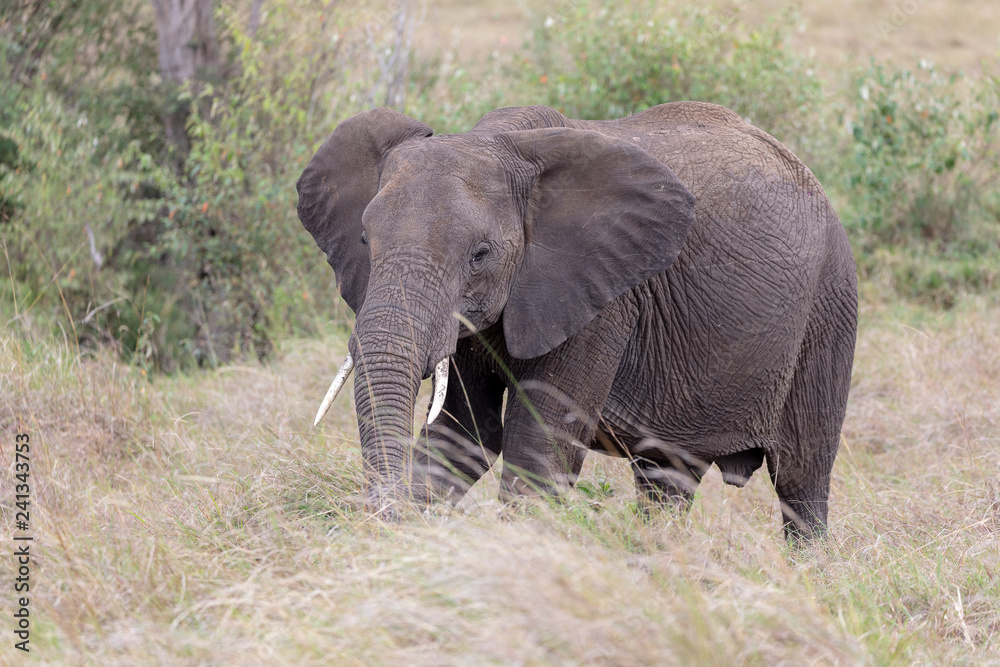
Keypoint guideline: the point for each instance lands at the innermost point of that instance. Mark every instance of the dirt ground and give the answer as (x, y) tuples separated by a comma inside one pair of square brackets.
[(956, 34)]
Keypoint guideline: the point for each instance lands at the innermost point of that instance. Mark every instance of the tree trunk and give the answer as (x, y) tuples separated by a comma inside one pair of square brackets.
[(393, 60), (254, 22), (188, 53)]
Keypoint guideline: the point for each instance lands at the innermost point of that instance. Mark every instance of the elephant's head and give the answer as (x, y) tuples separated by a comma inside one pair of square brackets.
[(428, 236)]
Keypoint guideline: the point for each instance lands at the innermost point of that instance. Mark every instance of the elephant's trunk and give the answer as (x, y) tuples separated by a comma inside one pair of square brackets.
[(385, 389), (394, 348)]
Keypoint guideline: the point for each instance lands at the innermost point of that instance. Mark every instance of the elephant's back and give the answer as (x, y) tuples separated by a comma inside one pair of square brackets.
[(757, 205), (705, 143)]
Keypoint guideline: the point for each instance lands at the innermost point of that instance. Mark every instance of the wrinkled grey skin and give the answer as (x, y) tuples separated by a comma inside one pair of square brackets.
[(673, 287)]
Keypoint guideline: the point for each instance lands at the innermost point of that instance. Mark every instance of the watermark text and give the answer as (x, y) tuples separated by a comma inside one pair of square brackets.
[(899, 16), (22, 542)]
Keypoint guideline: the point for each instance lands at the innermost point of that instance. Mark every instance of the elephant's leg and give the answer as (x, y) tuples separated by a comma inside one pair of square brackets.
[(542, 440), (804, 500), (811, 420), (670, 483), (554, 409), (464, 441)]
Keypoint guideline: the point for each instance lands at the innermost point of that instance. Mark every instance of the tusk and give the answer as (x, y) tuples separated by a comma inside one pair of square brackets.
[(338, 384), (440, 389)]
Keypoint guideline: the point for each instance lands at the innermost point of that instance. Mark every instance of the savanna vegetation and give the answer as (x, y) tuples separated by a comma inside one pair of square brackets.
[(168, 329)]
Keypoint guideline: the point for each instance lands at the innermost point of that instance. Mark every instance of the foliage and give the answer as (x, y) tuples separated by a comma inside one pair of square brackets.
[(86, 178), (622, 58), (229, 225), (922, 178), (98, 57), (616, 59), (191, 264), (924, 156)]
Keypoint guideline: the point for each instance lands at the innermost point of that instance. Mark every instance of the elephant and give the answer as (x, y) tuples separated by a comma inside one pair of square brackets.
[(673, 287)]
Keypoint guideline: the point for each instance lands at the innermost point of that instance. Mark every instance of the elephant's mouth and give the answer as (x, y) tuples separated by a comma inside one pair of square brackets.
[(467, 322), (465, 327)]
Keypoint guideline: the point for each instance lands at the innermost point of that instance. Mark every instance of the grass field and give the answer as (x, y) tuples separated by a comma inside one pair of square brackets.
[(201, 519)]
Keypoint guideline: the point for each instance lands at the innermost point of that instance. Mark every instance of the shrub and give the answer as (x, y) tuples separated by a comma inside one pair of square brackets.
[(920, 180), (79, 184), (179, 260), (228, 222), (622, 58), (924, 158)]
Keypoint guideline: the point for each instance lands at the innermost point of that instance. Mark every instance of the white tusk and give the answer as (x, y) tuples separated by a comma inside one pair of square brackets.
[(338, 384), (440, 389)]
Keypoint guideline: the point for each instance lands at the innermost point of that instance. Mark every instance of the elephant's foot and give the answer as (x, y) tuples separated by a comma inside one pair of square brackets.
[(804, 517), (804, 497)]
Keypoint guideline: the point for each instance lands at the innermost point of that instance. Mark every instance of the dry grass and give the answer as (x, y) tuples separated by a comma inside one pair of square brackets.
[(956, 34), (201, 519)]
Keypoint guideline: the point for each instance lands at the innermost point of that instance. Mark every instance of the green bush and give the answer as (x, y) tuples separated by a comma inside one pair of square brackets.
[(925, 159), (612, 61), (921, 180), (230, 226), (608, 61), (75, 174), (178, 259)]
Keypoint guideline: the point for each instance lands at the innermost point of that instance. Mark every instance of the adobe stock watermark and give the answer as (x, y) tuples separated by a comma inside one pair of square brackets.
[(900, 16)]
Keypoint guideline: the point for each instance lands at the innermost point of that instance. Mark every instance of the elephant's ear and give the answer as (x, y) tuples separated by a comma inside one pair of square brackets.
[(338, 184), (603, 215)]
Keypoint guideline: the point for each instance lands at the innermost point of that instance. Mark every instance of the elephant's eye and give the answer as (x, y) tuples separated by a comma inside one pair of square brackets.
[(478, 257), (364, 238)]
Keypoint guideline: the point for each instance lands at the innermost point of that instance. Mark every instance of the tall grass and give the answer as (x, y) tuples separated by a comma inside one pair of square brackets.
[(201, 518)]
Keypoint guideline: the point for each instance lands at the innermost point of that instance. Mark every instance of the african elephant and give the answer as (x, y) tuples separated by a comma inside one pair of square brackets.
[(673, 287)]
